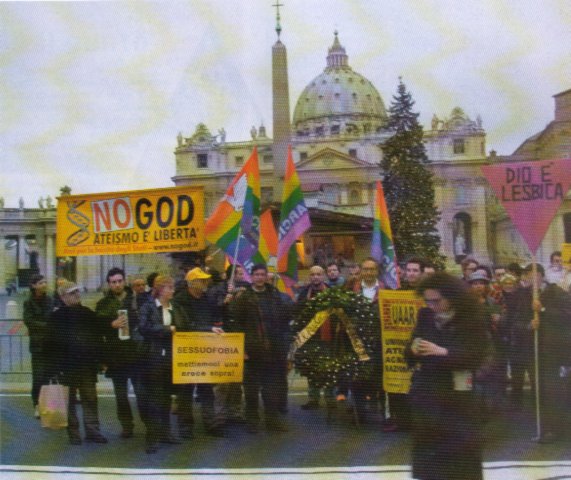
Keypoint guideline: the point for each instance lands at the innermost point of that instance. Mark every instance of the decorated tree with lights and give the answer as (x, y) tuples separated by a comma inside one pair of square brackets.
[(408, 184)]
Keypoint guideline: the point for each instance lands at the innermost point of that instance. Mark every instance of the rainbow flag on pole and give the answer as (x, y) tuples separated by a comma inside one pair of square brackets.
[(382, 247), (234, 226), (268, 246), (294, 221), (268, 249)]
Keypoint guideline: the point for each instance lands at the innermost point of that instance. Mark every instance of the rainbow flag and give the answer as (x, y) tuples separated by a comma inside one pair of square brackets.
[(268, 246), (294, 220), (234, 226), (382, 247), (268, 250)]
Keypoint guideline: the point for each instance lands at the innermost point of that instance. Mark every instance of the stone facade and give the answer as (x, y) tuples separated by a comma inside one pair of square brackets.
[(27, 245)]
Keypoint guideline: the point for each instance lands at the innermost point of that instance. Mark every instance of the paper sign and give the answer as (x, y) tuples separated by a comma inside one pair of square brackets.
[(204, 357)]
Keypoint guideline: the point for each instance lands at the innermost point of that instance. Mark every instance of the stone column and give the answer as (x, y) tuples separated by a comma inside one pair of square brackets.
[(50, 260), (2, 264), (21, 262)]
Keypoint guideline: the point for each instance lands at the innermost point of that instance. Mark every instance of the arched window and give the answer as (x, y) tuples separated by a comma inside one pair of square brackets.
[(355, 196)]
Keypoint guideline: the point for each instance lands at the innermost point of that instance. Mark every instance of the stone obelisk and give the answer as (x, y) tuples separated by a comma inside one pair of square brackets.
[(281, 118)]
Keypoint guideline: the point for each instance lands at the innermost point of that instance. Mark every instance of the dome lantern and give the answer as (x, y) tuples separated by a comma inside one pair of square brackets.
[(337, 56)]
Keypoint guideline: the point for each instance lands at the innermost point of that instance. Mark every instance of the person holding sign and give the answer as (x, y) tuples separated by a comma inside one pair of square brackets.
[(197, 312), (228, 396), (553, 309), (445, 350), (158, 320)]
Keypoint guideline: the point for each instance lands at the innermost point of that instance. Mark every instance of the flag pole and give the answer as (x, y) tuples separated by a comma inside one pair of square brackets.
[(231, 281), (535, 325)]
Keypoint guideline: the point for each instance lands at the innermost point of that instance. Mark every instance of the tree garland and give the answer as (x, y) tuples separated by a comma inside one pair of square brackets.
[(327, 363)]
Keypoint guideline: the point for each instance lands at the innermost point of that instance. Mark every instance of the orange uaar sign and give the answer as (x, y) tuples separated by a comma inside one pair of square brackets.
[(141, 221), (399, 311)]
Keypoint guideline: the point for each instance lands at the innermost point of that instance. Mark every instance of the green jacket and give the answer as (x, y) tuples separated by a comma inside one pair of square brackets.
[(37, 312), (118, 354)]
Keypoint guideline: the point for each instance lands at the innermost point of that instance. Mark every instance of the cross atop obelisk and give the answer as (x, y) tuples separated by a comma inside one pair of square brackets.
[(278, 25)]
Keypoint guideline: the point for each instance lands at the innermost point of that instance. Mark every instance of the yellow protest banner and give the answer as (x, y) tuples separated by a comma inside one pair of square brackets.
[(205, 357), (566, 254), (139, 221), (399, 309)]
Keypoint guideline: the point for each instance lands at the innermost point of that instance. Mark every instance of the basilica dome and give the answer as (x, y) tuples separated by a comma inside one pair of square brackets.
[(339, 101)]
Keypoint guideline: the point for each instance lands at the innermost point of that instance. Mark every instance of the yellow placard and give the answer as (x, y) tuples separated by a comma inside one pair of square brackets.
[(141, 221), (399, 311), (204, 357), (566, 254)]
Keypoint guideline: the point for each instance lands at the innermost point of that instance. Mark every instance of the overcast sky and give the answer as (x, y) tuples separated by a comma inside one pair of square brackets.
[(93, 94)]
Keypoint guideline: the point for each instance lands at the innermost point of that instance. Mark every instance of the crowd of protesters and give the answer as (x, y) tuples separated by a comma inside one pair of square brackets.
[(482, 322)]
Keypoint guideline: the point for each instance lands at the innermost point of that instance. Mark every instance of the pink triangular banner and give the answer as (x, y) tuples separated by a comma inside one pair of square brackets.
[(531, 193)]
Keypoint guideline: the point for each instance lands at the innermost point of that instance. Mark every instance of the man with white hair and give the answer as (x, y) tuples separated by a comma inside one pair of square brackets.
[(76, 343)]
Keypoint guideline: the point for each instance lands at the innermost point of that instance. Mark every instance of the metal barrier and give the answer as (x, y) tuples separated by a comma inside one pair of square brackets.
[(15, 355)]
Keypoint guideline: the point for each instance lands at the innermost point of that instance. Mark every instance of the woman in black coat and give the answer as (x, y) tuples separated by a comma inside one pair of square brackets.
[(446, 349), (158, 320)]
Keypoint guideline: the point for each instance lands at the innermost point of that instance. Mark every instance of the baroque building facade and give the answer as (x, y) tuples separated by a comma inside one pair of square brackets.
[(337, 133)]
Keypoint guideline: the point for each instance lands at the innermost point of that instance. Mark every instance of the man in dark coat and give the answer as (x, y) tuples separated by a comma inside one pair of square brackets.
[(263, 316), (197, 317), (554, 325), (37, 310), (75, 344), (121, 354), (228, 396)]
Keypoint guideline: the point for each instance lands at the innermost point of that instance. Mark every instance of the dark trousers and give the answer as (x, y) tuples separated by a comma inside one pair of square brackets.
[(268, 378), (156, 391), (521, 360), (86, 387), (185, 394), (40, 374), (372, 388), (120, 378), (399, 408), (552, 398)]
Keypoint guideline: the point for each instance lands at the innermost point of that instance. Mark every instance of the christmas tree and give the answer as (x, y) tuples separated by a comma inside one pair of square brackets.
[(408, 185)]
